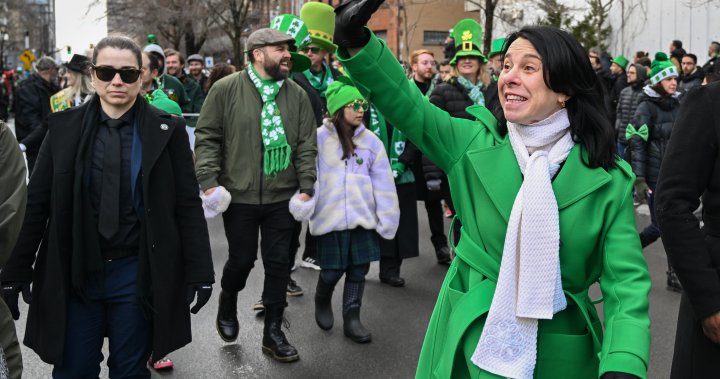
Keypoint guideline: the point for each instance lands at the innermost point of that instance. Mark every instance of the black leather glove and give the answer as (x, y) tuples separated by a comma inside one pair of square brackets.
[(618, 375), (11, 292), (203, 290), (350, 19)]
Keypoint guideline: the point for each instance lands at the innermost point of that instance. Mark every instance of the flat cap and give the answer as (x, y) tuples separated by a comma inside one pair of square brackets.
[(196, 57), (267, 36)]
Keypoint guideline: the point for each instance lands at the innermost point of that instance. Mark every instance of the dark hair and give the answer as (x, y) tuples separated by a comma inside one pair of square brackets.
[(645, 61), (119, 42), (691, 56), (712, 77), (154, 62), (171, 52), (657, 87), (567, 70), (218, 72), (345, 133), (677, 44), (640, 54), (716, 44)]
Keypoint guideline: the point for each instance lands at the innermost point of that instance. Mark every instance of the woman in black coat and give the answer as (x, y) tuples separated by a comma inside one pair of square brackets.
[(692, 170)]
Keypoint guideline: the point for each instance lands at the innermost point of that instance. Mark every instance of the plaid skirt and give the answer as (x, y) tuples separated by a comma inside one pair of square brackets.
[(341, 249)]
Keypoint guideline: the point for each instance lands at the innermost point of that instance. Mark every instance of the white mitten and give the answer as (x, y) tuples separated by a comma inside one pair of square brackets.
[(301, 210), (215, 203)]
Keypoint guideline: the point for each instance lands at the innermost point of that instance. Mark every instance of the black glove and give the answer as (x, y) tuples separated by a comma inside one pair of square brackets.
[(618, 375), (11, 291), (204, 290), (350, 19)]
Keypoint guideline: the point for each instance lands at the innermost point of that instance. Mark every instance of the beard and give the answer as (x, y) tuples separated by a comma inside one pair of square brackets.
[(273, 70)]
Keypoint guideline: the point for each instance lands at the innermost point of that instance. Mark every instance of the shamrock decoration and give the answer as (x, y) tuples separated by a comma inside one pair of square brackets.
[(466, 35)]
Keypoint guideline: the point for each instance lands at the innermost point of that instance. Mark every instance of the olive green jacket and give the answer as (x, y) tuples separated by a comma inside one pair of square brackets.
[(599, 242), (229, 150)]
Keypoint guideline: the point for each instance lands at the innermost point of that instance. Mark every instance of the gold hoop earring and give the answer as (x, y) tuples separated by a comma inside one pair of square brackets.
[(562, 103)]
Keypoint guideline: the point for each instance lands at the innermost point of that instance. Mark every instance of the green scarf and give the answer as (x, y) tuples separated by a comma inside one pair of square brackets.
[(394, 150), (321, 81), (277, 150), (474, 90)]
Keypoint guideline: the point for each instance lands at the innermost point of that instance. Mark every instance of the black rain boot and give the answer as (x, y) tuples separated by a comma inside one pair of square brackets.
[(227, 323), (323, 305), (352, 300), (274, 342), (443, 256), (673, 283)]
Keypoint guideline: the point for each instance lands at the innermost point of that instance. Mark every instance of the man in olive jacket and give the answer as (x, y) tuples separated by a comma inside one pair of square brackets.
[(256, 138)]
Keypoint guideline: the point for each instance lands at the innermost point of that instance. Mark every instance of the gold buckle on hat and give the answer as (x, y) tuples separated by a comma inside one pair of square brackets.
[(467, 46)]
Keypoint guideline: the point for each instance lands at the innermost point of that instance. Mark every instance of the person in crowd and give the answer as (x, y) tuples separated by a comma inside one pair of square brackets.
[(691, 75), (79, 85), (259, 174), (648, 135), (711, 65), (638, 55), (114, 210), (620, 81), (218, 72), (196, 68), (711, 78), (13, 198), (627, 104), (690, 248), (347, 238), (171, 85), (495, 57), (32, 99), (676, 53), (175, 66), (515, 301), (646, 62), (445, 70)]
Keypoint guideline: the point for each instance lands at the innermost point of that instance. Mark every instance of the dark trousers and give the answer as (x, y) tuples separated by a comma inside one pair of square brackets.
[(695, 356), (275, 225), (355, 273), (436, 219), (113, 311), (651, 232), (310, 244), (390, 267), (31, 158)]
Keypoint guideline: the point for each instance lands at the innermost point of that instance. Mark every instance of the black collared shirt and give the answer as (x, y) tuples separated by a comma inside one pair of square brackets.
[(128, 234)]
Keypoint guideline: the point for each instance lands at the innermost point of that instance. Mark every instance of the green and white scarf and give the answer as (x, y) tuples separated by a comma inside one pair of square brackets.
[(474, 90), (277, 150), (394, 150), (321, 81)]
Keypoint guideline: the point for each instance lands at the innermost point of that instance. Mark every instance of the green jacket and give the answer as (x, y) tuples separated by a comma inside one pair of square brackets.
[(229, 150), (196, 97), (599, 242)]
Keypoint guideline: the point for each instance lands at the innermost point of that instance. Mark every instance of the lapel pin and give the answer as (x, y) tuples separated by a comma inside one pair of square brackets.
[(163, 126)]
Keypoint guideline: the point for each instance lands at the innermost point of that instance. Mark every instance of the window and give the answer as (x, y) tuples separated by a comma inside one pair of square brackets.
[(434, 37)]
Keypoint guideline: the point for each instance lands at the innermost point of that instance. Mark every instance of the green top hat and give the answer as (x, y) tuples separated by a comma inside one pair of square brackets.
[(294, 27), (320, 21), (497, 47), (662, 68), (468, 36), (340, 93), (621, 61)]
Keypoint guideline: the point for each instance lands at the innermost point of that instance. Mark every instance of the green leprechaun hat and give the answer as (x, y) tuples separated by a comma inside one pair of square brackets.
[(621, 61), (468, 36), (496, 47), (320, 21), (294, 27), (662, 68)]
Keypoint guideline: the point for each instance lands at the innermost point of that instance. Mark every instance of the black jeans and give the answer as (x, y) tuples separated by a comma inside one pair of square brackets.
[(436, 218), (242, 224)]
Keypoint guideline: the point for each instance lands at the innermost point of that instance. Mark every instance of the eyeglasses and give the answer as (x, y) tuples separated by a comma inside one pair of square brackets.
[(357, 105), (314, 50), (107, 73)]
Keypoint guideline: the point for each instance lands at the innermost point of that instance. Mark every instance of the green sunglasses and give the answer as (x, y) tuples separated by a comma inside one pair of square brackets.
[(357, 105)]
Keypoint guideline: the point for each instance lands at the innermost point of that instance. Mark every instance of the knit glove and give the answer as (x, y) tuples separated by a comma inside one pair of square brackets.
[(215, 203), (641, 190), (618, 375), (350, 19), (398, 168), (11, 294), (203, 290)]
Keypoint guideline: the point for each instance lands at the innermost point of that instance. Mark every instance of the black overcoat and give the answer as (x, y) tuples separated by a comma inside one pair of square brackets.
[(173, 230)]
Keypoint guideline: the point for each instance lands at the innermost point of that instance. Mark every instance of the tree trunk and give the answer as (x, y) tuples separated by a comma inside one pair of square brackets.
[(489, 20)]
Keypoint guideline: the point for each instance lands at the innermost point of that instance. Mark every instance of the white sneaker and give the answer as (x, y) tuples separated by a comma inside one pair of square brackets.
[(310, 263), (294, 267)]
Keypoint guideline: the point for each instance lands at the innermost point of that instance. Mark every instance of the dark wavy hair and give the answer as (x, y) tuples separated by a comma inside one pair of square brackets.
[(567, 70)]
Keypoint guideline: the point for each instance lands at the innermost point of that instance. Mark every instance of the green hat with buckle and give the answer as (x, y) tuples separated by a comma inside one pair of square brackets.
[(320, 21), (294, 27), (496, 47), (468, 35)]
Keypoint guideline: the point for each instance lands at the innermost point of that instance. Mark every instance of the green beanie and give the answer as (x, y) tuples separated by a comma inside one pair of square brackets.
[(340, 93), (662, 68), (160, 101), (621, 61)]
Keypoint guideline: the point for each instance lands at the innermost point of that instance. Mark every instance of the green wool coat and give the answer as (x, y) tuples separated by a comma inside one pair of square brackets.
[(599, 242)]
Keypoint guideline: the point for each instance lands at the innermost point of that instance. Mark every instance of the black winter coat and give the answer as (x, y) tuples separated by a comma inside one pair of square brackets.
[(688, 82), (659, 114), (453, 98), (32, 107), (627, 104), (620, 82), (317, 103), (173, 232)]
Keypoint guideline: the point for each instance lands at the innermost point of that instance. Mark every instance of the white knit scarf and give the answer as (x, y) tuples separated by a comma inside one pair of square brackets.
[(529, 285)]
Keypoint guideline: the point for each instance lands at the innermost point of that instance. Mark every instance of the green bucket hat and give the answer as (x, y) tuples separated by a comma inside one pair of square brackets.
[(294, 27), (468, 36), (320, 21), (621, 61), (662, 68), (160, 100), (340, 93), (497, 47)]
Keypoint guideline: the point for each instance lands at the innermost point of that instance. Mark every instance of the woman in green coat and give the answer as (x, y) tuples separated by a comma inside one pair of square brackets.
[(546, 209)]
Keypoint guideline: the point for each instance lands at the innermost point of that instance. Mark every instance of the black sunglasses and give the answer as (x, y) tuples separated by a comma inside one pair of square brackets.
[(107, 73), (315, 50)]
